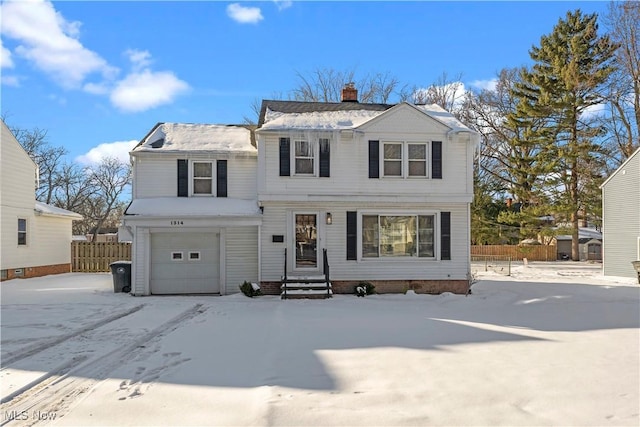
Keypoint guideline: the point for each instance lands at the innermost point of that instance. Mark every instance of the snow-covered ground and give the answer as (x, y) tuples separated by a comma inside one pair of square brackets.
[(553, 344)]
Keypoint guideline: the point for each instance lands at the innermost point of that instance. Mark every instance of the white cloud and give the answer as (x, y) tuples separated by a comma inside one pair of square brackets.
[(485, 84), (142, 90), (244, 15), (50, 42), (10, 81), (594, 110), (119, 150), (5, 57), (140, 59), (283, 4)]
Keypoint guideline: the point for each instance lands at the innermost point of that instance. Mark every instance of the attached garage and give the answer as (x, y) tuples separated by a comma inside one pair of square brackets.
[(198, 246), (185, 263)]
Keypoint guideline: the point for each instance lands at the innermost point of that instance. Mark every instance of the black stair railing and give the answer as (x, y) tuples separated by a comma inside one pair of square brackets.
[(325, 268), (284, 276)]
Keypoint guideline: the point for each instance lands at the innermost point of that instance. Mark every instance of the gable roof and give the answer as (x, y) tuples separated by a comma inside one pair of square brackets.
[(7, 135), (296, 115), (183, 137), (621, 167), (314, 107)]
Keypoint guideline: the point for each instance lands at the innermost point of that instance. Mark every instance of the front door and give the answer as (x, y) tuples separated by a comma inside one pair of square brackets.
[(306, 241)]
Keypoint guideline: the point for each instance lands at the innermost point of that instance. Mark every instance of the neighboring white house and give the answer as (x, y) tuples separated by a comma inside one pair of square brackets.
[(621, 218), (36, 237), (356, 192), (194, 218)]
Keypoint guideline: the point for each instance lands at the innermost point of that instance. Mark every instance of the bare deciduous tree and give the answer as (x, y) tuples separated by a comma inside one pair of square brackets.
[(623, 24)]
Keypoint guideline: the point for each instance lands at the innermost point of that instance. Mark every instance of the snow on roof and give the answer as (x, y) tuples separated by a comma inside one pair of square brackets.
[(48, 210), (443, 116), (583, 233), (198, 137), (193, 206), (320, 120), (348, 119)]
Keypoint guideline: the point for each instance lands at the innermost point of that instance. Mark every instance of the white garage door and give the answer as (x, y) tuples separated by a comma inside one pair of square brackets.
[(185, 263)]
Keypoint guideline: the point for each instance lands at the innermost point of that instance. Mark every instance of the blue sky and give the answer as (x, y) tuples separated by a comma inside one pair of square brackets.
[(99, 75)]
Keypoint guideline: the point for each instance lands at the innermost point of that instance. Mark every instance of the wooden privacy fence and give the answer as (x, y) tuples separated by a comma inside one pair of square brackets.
[(517, 252), (92, 257)]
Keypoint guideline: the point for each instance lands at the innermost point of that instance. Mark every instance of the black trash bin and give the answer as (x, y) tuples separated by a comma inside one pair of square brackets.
[(121, 271)]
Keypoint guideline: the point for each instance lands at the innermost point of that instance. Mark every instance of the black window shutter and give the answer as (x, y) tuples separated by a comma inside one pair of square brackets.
[(445, 235), (374, 159), (183, 178), (285, 157), (436, 159), (352, 235), (325, 161), (221, 178)]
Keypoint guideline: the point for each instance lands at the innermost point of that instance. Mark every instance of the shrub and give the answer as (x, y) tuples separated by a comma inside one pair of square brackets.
[(368, 287), (249, 289)]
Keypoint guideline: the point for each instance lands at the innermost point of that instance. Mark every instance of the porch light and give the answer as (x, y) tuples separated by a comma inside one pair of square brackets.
[(329, 218)]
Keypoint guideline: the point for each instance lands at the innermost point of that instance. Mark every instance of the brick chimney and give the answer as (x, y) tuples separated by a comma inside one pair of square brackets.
[(349, 93)]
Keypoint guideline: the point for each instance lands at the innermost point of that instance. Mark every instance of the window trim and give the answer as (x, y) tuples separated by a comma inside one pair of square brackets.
[(415, 213), (192, 178), (315, 142), (25, 232), (404, 160), (315, 155)]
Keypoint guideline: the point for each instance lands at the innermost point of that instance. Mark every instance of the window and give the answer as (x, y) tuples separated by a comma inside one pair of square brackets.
[(176, 256), (22, 231), (417, 159), (194, 256), (404, 159), (304, 158), (398, 236), (202, 178)]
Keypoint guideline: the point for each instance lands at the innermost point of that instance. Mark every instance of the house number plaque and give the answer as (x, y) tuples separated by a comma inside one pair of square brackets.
[(177, 222)]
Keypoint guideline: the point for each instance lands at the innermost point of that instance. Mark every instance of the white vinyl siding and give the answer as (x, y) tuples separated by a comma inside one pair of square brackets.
[(332, 237), (350, 163), (241, 245), (157, 176), (48, 237)]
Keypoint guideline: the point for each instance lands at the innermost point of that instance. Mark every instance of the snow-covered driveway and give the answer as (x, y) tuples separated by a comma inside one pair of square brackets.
[(554, 344)]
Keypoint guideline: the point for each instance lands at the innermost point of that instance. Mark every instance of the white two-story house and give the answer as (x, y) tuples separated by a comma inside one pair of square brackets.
[(194, 218), (383, 191), (348, 192)]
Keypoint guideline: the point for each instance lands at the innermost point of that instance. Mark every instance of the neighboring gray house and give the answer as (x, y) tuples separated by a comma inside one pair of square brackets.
[(590, 245), (621, 218)]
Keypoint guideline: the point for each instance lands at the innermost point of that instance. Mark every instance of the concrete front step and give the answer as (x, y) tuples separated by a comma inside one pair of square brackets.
[(305, 286), (306, 294), (305, 279)]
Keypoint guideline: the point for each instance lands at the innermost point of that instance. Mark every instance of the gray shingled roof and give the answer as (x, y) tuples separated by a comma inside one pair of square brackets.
[(308, 107)]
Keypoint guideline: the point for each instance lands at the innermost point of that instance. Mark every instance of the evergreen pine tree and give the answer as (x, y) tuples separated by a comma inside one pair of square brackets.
[(571, 67)]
